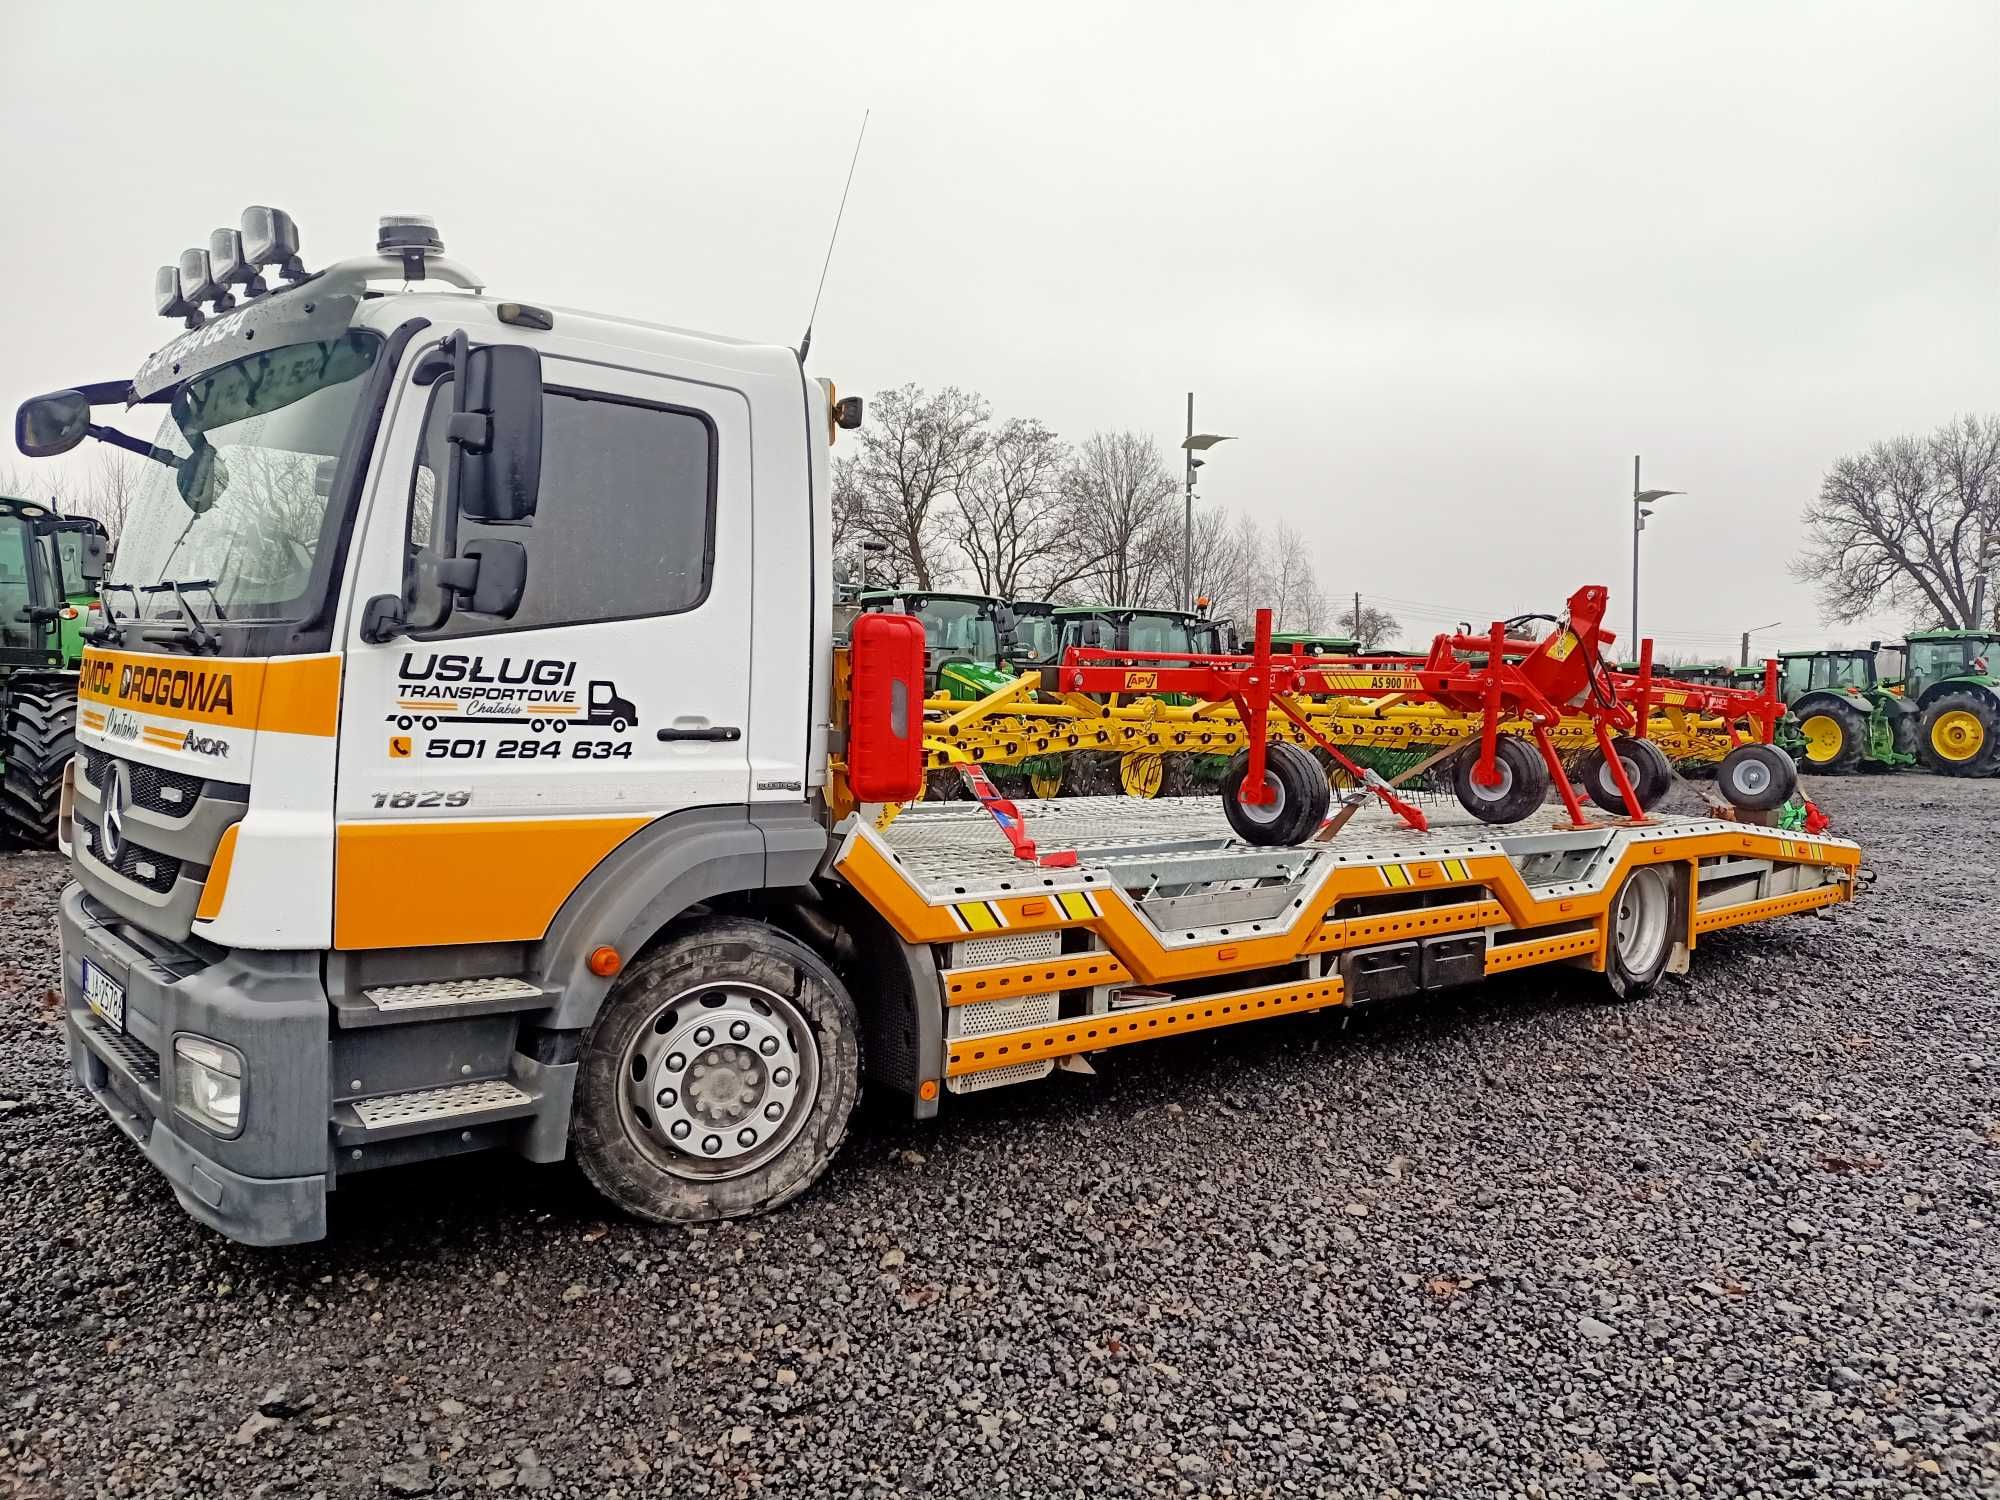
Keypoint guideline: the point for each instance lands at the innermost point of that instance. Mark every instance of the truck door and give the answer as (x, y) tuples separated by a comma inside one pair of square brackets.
[(488, 765)]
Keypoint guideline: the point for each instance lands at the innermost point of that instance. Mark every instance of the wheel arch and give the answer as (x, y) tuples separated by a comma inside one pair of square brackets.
[(656, 877), (1978, 687)]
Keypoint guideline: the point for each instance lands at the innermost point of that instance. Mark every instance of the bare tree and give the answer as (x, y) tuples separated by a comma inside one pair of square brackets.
[(1118, 492), (1292, 593), (1227, 554), (1911, 523), (113, 485), (1370, 627), (1013, 524), (916, 453), (44, 483)]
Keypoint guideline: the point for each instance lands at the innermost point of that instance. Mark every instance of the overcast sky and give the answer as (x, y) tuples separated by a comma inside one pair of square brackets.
[(1444, 268)]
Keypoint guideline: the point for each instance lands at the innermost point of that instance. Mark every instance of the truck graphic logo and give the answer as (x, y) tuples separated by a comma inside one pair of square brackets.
[(601, 708)]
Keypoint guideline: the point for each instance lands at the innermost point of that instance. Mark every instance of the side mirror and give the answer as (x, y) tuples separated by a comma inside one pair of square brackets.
[(45, 426), (496, 434), (96, 557)]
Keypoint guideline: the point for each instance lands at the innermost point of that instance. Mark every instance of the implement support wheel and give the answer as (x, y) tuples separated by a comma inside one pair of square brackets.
[(1300, 796), (1524, 781), (1757, 777)]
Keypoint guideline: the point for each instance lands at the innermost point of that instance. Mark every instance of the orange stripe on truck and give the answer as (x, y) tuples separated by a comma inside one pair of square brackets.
[(399, 885), (289, 694), (217, 885)]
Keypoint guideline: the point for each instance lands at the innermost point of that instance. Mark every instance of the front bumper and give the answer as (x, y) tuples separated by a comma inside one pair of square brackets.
[(268, 1184)]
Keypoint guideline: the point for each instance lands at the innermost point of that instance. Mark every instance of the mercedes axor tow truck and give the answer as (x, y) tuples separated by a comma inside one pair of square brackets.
[(305, 941)]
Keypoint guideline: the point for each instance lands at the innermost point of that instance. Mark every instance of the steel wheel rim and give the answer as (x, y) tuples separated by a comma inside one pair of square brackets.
[(1491, 793), (1752, 776), (1823, 738), (1641, 921), (1958, 735), (1269, 812), (718, 1081)]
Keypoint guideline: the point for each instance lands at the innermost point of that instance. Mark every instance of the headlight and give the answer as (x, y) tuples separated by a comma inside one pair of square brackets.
[(208, 1083)]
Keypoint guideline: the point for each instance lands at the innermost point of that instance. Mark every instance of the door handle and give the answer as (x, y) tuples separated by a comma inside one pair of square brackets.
[(719, 732)]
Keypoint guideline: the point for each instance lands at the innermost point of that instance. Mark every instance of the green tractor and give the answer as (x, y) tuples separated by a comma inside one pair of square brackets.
[(1949, 680), (1847, 718), (50, 569)]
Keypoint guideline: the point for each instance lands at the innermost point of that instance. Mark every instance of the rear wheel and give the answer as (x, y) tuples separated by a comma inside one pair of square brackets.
[(1300, 796), (719, 1077), (39, 739), (1523, 781), (1959, 735), (1757, 777), (1641, 936), (1836, 735)]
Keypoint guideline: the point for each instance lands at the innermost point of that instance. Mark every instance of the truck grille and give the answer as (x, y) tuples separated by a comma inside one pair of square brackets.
[(170, 794), (156, 872)]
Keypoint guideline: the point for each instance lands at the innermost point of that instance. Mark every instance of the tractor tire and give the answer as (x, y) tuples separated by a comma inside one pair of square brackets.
[(1958, 734), (1836, 737), (1646, 767), (1302, 796), (1524, 781), (719, 1077), (39, 739), (1757, 777), (1903, 729)]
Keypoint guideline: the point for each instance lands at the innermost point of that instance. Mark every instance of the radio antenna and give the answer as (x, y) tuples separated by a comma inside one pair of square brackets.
[(805, 344)]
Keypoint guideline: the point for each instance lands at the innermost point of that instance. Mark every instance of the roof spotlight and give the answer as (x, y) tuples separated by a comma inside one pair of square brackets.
[(270, 238), (231, 267), (197, 280), (168, 300)]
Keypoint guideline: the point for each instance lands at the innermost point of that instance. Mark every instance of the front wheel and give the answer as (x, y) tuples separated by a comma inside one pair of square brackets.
[(1836, 735), (719, 1078)]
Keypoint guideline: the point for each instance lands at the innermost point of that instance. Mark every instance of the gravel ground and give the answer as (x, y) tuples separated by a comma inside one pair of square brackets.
[(1735, 1239)]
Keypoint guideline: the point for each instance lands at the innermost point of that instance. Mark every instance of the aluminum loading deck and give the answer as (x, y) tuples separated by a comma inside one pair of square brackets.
[(1167, 922)]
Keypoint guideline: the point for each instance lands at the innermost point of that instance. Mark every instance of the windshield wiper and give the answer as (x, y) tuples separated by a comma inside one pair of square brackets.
[(199, 634), (112, 626)]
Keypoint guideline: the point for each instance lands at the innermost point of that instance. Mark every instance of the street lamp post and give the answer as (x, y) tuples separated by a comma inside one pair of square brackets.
[(1640, 500), (1744, 659), (1197, 442)]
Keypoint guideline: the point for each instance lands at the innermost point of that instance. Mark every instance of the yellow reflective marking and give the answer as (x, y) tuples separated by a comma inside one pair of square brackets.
[(979, 916)]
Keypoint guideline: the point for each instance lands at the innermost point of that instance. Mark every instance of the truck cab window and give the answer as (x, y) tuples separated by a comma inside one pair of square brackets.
[(625, 525)]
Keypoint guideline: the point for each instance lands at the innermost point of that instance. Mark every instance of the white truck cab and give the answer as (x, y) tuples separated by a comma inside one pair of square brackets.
[(461, 769)]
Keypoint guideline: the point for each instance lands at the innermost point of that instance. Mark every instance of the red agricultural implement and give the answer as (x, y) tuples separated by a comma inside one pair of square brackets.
[(1275, 793)]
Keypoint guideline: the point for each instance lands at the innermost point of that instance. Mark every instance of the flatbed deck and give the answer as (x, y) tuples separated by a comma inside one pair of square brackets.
[(1167, 922)]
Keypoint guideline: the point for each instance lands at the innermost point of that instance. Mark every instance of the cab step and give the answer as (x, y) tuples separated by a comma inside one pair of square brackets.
[(439, 1000), (455, 1106)]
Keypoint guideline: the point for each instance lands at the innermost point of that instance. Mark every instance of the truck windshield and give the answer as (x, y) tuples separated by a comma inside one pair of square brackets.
[(238, 521)]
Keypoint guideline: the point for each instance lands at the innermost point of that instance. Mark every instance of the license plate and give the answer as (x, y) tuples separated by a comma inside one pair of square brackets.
[(104, 995)]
